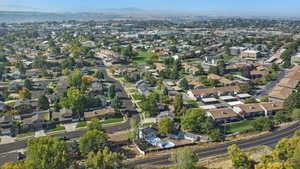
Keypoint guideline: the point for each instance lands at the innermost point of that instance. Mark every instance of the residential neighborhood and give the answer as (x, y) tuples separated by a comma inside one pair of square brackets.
[(138, 88)]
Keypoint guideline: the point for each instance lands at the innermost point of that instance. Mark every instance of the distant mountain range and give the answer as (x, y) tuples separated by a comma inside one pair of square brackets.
[(97, 15), (102, 15)]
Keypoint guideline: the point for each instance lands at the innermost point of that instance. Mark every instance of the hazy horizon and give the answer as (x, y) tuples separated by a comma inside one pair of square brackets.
[(287, 8)]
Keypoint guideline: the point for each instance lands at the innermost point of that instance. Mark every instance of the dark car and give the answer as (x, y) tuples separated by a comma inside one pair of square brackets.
[(65, 138), (20, 156)]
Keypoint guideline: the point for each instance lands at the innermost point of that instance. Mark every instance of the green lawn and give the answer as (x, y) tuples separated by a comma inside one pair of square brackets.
[(81, 124), (228, 57), (239, 126), (192, 102), (112, 120), (27, 134), (57, 128), (138, 96), (142, 57)]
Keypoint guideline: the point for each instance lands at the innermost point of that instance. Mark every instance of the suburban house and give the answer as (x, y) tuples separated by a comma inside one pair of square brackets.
[(143, 86), (258, 109), (192, 82), (223, 115), (287, 85), (214, 92), (64, 115), (272, 107), (238, 67), (190, 68), (101, 113), (222, 80), (35, 121), (258, 73), (249, 110), (253, 54), (280, 93), (6, 126)]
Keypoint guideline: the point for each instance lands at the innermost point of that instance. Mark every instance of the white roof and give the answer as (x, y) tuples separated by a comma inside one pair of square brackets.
[(227, 97), (241, 77), (208, 107), (251, 51), (244, 95), (235, 103), (209, 100)]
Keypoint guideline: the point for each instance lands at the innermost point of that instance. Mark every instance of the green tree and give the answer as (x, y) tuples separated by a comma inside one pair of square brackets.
[(95, 124), (184, 84), (195, 120), (18, 165), (165, 126), (40, 62), (200, 70), (281, 117), (296, 114), (99, 75), (75, 79), (28, 84), (216, 134), (297, 133), (48, 153), (245, 87), (264, 99), (93, 141), (74, 100), (24, 93), (149, 105), (239, 159), (178, 104), (184, 158), (43, 102), (111, 92), (213, 69), (251, 100), (134, 129), (292, 102), (116, 103), (104, 159), (263, 124)]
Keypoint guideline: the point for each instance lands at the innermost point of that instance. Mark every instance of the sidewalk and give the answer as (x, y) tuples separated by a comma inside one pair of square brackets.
[(7, 139)]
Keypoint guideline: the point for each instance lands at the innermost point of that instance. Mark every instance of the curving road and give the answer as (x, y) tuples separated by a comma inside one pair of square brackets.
[(6, 149), (269, 139)]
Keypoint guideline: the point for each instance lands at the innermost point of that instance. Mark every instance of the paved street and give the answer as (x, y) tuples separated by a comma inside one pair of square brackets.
[(268, 88), (127, 103), (269, 139)]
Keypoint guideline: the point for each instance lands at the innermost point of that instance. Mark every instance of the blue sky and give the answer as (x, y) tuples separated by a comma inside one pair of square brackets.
[(244, 7)]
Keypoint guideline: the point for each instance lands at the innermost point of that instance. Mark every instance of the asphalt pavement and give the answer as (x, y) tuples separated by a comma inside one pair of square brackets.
[(8, 151), (268, 88), (269, 139)]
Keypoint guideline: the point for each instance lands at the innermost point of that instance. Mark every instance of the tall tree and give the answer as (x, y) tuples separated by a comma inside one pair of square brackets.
[(195, 120), (263, 124), (93, 141), (239, 159), (165, 126), (178, 104), (47, 152), (43, 102), (74, 100), (104, 159), (75, 79), (95, 124), (184, 158), (111, 91), (184, 84), (28, 83), (24, 93)]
